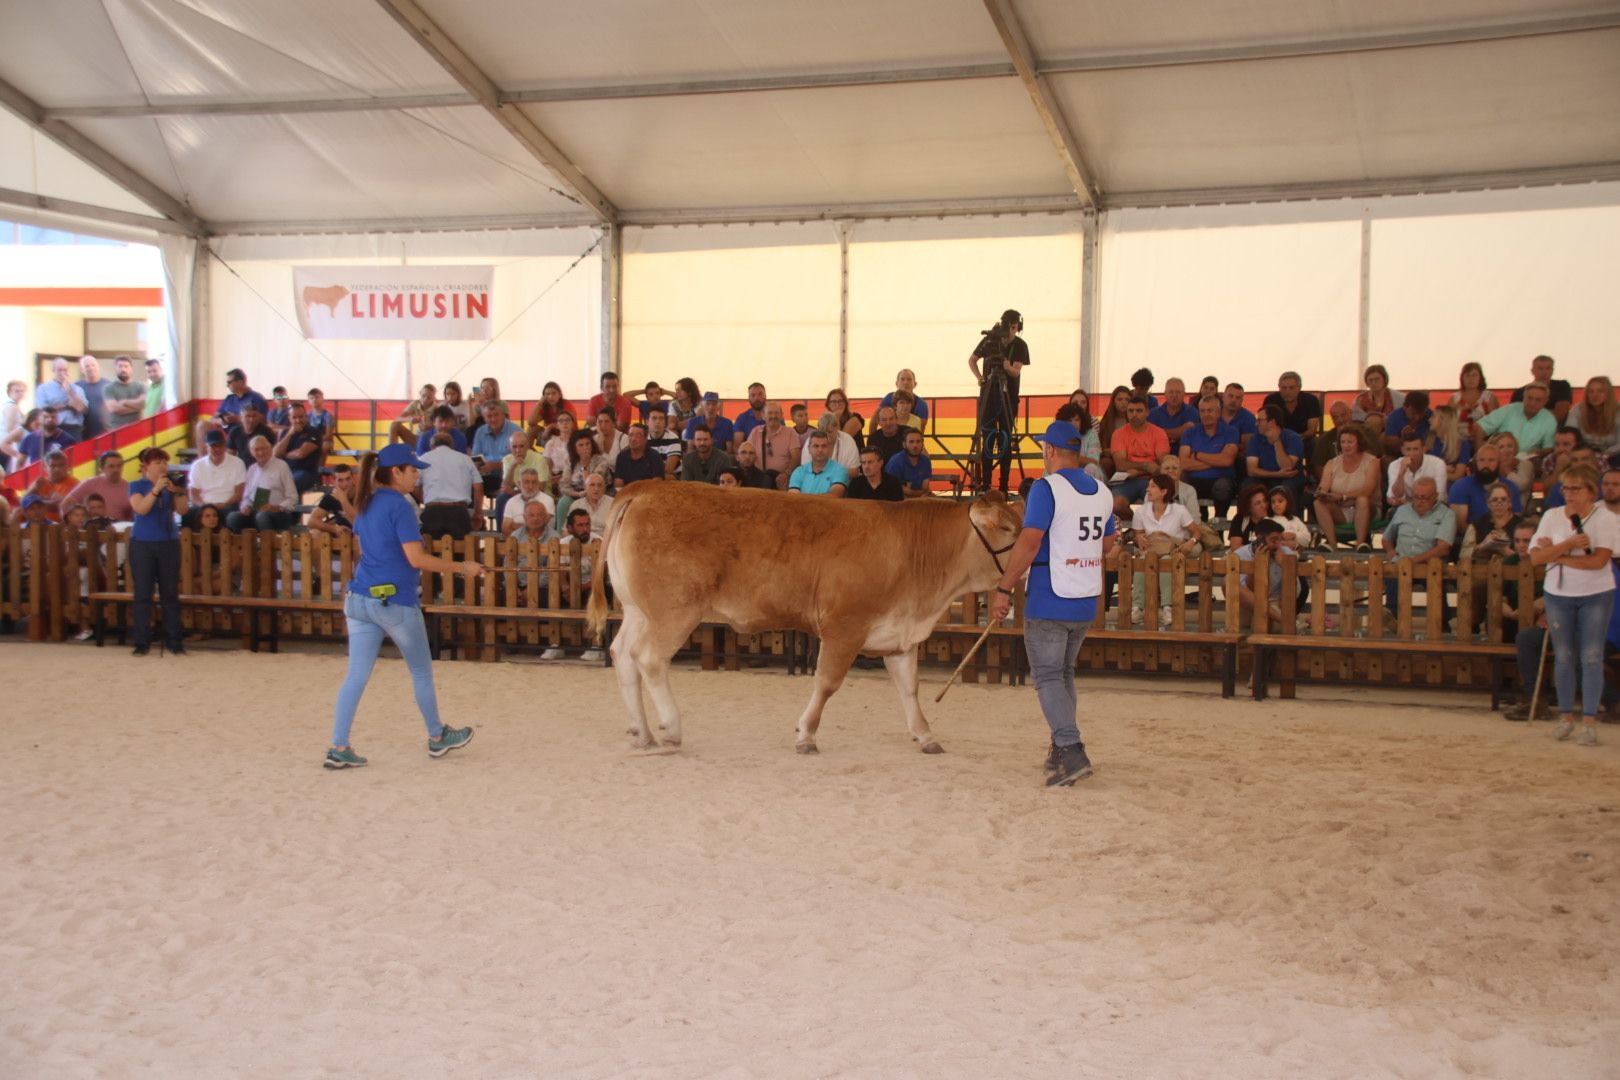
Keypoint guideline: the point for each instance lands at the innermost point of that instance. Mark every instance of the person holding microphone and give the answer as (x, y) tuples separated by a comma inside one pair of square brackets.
[(154, 550), (1575, 542), (383, 599)]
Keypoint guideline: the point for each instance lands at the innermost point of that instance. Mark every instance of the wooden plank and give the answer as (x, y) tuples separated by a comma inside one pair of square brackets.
[(1348, 620), (1375, 596), (51, 540), (1232, 617), (1434, 600), (1319, 589), (1403, 594), (1465, 601), (1178, 593), (1127, 584), (1206, 593), (303, 546)]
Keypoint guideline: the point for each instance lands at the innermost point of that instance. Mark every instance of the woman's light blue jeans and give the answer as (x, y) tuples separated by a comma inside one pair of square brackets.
[(1578, 625), (369, 622)]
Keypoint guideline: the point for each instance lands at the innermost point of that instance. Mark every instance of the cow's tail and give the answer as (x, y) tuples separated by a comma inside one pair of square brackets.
[(596, 611)]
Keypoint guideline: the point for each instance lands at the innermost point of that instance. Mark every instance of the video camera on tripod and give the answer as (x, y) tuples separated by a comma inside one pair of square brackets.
[(994, 345)]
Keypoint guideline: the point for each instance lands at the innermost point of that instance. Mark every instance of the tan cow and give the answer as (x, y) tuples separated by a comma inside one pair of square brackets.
[(863, 576), (327, 296)]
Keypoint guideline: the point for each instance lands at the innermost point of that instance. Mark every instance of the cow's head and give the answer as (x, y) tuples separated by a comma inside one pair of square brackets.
[(997, 521)]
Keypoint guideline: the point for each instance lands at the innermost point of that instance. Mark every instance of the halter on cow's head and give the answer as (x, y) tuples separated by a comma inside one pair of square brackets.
[(996, 522)]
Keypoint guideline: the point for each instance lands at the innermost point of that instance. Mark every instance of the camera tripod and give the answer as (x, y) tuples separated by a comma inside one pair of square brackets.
[(996, 438)]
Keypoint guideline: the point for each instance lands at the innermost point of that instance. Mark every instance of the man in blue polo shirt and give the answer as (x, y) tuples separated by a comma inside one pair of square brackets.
[(1173, 414), (1412, 418), (1233, 412), (820, 475), (751, 417), (721, 429), (235, 403), (1209, 451), (1276, 453), (911, 466), (1468, 494), (1068, 530)]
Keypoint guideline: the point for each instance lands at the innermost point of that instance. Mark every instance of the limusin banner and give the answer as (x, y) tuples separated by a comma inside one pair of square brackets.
[(394, 303)]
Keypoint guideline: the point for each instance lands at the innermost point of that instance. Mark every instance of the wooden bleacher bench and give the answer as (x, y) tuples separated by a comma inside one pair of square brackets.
[(252, 637), (1287, 648)]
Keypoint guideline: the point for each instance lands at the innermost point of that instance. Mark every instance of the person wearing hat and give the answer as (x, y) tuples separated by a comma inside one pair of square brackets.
[(1068, 531), (1005, 356), (216, 479), (383, 599), (709, 417)]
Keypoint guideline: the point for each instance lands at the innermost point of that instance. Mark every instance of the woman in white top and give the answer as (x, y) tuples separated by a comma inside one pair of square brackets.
[(1594, 417), (1576, 542), (1165, 527), (11, 426)]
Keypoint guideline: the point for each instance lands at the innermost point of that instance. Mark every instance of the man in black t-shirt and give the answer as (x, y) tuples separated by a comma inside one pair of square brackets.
[(887, 433), (1005, 355), (872, 482), (1301, 412), (1560, 396), (335, 513), (637, 461)]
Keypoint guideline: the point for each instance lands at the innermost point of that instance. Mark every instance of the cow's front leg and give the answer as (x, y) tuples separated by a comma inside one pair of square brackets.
[(830, 671), (903, 670)]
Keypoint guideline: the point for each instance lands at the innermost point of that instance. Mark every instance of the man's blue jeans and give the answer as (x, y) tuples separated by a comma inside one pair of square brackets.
[(369, 622), (1052, 646), (1578, 625)]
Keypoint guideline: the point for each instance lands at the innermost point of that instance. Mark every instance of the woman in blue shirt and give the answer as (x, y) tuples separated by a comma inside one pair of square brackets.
[(383, 599), (154, 550)]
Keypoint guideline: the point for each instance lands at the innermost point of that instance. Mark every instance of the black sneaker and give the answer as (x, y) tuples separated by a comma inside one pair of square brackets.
[(141, 650), (1072, 765), (1052, 759), (177, 650)]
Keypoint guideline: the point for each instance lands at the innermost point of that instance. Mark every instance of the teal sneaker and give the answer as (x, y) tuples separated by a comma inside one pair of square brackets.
[(343, 759), (451, 738)]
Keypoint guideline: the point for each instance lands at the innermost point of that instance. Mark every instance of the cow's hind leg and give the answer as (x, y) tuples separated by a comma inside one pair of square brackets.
[(652, 653), (830, 671), (627, 667), (903, 670)]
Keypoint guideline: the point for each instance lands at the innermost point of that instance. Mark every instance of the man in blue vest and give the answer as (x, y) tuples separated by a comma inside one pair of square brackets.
[(1068, 530)]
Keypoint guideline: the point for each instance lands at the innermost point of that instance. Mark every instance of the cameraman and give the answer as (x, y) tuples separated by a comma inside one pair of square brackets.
[(1005, 355), (154, 550)]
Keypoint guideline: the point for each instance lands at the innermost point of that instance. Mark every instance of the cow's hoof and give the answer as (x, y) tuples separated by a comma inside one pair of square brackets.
[(806, 748), (672, 741), (932, 748), (643, 742)]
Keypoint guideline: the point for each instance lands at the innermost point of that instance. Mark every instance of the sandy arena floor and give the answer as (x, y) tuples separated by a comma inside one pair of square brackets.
[(1346, 886)]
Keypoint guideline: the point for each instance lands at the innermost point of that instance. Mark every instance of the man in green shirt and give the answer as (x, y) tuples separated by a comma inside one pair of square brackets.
[(155, 393), (125, 398), (1529, 421)]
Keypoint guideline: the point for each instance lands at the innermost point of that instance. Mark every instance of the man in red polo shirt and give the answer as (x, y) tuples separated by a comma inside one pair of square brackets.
[(610, 398)]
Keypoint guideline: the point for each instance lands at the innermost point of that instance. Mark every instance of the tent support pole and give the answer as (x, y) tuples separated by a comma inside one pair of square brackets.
[(1089, 241), (612, 284), (843, 302), (1364, 319)]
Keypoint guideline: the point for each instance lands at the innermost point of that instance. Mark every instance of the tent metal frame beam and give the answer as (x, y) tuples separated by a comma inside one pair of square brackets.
[(51, 205), (427, 34), (1098, 62), (1047, 108), (101, 159), (1596, 172)]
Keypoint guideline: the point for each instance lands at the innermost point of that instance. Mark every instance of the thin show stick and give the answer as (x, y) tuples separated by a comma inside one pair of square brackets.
[(1541, 668), (970, 654)]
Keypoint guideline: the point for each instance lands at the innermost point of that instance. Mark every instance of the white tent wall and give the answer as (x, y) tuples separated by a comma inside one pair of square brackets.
[(546, 313), (1496, 288), (921, 292), (729, 305), (1189, 294)]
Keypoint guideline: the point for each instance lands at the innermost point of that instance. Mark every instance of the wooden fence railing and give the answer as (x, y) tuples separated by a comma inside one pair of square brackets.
[(57, 581)]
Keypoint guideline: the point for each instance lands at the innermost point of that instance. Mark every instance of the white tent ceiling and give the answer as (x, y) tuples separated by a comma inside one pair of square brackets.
[(308, 115)]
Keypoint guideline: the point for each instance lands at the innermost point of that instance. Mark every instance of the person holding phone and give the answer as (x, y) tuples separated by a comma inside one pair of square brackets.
[(383, 599), (154, 550)]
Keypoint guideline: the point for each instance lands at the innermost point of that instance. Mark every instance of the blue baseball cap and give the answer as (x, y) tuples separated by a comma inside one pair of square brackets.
[(1061, 434), (31, 500), (396, 454)]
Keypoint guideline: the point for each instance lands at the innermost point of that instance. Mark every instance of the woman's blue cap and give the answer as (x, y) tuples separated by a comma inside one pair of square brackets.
[(396, 454)]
